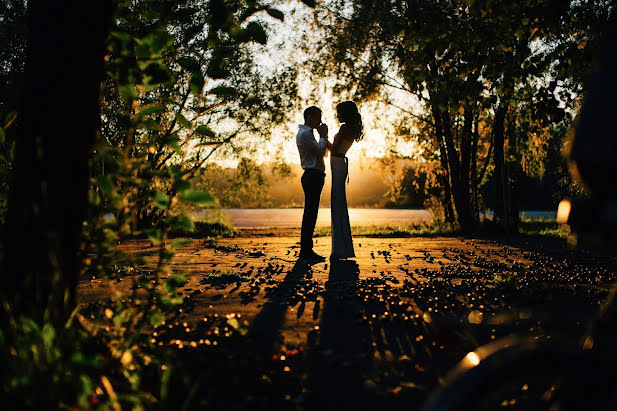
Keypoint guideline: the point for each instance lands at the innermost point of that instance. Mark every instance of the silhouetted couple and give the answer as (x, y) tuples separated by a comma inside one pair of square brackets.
[(312, 153)]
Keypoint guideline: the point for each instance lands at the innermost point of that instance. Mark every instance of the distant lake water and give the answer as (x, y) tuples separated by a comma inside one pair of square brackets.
[(292, 217)]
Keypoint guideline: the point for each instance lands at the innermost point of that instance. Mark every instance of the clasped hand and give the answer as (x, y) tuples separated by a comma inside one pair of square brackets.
[(322, 129)]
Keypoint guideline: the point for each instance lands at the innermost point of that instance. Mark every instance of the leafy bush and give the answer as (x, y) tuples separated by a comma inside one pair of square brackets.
[(544, 228), (504, 281), (205, 229), (80, 364), (102, 357)]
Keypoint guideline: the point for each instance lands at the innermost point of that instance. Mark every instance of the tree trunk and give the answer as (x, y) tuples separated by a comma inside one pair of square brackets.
[(515, 171), (461, 198), (466, 148), (500, 214), (447, 200), (474, 170), (445, 177), (59, 118)]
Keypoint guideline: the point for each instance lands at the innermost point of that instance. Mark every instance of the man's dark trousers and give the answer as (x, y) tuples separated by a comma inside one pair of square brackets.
[(312, 184)]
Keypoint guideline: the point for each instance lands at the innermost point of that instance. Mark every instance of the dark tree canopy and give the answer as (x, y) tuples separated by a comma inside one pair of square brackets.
[(490, 77)]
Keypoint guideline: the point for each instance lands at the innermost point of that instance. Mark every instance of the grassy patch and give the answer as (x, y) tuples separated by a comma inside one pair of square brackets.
[(204, 229), (225, 277), (538, 227), (504, 282), (214, 229), (213, 243), (407, 230)]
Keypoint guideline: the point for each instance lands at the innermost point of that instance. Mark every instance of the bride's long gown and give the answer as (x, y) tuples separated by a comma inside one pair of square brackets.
[(342, 244)]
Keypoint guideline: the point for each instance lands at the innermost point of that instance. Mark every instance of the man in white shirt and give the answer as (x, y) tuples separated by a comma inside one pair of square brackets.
[(311, 158)]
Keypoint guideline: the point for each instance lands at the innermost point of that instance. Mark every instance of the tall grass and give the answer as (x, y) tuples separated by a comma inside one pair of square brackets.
[(422, 229), (530, 227), (213, 224), (540, 227)]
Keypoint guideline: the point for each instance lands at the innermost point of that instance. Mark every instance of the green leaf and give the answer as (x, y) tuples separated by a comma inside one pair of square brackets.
[(182, 223), (216, 69), (310, 3), (277, 14), (93, 198), (234, 323), (176, 147), (181, 186), (175, 300), (156, 236), (160, 40), (223, 91), (154, 109), (48, 333), (156, 73), (105, 184), (181, 242), (121, 318), (143, 282), (156, 318), (197, 82), (29, 326), (78, 358), (142, 51), (173, 142), (167, 255), (189, 63), (173, 282), (150, 124), (182, 120), (176, 171), (128, 92), (205, 131), (161, 199), (2, 136), (197, 197), (256, 32), (124, 38)]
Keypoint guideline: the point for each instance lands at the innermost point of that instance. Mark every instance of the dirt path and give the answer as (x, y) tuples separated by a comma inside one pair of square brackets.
[(380, 329)]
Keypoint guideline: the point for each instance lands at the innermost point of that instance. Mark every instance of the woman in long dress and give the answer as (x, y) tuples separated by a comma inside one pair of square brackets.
[(350, 131)]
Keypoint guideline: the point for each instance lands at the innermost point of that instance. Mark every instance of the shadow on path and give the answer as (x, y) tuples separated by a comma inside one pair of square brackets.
[(341, 359), (266, 327)]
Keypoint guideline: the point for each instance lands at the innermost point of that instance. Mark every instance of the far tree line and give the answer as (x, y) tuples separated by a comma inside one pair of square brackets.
[(387, 182)]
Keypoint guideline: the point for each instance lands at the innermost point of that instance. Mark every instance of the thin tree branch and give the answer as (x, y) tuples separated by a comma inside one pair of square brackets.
[(388, 102), (227, 139)]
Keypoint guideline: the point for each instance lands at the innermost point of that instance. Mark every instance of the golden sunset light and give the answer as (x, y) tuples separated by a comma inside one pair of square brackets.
[(308, 205)]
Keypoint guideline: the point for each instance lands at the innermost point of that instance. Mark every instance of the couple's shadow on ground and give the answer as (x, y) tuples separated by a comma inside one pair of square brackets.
[(344, 270), (271, 318), (338, 349)]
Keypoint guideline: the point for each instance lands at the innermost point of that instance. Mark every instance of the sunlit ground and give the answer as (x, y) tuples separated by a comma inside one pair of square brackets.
[(256, 329)]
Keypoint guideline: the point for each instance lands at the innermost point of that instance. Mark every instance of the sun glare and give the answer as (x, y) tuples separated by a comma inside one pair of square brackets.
[(472, 359), (563, 211)]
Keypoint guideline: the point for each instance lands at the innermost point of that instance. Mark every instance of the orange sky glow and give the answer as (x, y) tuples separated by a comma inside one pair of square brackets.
[(378, 119)]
